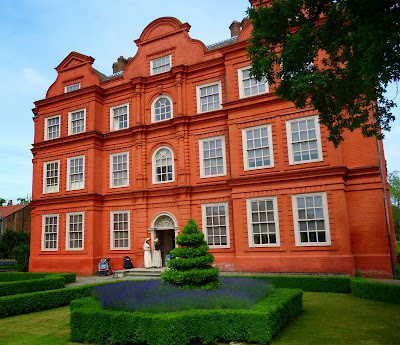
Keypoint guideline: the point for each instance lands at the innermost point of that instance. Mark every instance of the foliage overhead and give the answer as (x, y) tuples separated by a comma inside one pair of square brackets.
[(394, 185), (2, 202), (191, 263), (336, 56)]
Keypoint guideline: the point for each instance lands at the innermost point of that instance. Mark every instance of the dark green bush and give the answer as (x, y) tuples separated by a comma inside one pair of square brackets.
[(310, 283), (41, 300), (21, 255), (89, 323), (18, 283), (10, 240), (191, 264), (376, 291)]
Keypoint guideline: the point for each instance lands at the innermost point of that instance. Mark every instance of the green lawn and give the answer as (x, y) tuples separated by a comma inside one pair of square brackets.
[(328, 318)]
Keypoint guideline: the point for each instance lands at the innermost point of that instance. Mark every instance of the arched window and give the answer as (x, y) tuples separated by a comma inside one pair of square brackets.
[(161, 109), (163, 165)]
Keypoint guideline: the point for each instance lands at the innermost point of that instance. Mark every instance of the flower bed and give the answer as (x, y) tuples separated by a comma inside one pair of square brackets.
[(154, 296), (91, 323)]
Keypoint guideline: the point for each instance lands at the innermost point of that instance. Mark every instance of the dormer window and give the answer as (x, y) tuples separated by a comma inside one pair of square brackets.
[(160, 65), (72, 87)]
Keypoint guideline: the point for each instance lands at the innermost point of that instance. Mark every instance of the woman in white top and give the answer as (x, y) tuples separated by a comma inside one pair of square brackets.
[(147, 253), (157, 262)]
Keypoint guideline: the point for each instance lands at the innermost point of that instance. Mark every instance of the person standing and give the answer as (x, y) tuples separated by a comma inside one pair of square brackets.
[(157, 262), (147, 253)]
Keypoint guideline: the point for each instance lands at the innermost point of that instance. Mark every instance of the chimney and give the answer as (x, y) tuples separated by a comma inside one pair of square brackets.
[(9, 203), (235, 28), (244, 22), (120, 64)]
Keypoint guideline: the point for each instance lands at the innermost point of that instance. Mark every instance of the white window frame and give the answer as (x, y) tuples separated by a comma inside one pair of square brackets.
[(201, 149), (241, 86), (46, 127), (68, 233), (245, 148), (153, 110), (161, 57), (45, 188), (69, 172), (250, 223), (296, 220), (204, 223), (317, 135), (155, 167), (112, 247), (44, 216), (112, 116), (72, 86), (198, 95), (112, 172), (70, 120)]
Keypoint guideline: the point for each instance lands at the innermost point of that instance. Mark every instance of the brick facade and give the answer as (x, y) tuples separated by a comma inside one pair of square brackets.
[(15, 217), (187, 108)]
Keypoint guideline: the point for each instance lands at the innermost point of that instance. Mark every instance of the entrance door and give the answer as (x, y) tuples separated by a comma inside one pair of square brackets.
[(167, 241)]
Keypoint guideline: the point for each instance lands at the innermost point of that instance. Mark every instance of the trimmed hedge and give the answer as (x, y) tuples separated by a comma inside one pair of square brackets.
[(19, 283), (90, 323), (309, 283), (41, 300), (376, 291)]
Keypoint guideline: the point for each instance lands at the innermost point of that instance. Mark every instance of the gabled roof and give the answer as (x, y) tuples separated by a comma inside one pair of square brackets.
[(7, 210), (73, 60)]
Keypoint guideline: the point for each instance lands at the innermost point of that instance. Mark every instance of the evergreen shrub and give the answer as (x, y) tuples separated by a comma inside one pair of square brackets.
[(310, 283), (190, 266), (18, 283), (21, 256), (376, 291)]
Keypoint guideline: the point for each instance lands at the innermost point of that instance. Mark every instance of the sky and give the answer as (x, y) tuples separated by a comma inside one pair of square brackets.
[(36, 35)]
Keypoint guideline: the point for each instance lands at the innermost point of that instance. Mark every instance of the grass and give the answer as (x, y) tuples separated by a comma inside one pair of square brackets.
[(328, 318)]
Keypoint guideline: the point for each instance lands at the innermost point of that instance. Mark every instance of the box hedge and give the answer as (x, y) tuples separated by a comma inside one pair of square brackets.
[(19, 283), (310, 283), (90, 323), (376, 291)]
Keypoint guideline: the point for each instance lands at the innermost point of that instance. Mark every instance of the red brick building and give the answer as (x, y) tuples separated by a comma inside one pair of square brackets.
[(182, 130), (15, 217)]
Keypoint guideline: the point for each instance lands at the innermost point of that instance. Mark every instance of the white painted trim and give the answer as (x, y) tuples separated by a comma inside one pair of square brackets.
[(46, 126), (152, 62), (70, 120), (270, 145), (153, 112), (45, 177), (66, 87), (68, 185), (111, 169), (158, 215), (296, 220), (201, 156), (249, 222), (317, 135), (112, 230), (112, 116), (67, 237), (204, 223), (241, 86), (43, 249), (153, 163), (199, 87)]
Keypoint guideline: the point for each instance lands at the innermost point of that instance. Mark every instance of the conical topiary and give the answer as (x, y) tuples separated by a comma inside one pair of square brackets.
[(191, 264)]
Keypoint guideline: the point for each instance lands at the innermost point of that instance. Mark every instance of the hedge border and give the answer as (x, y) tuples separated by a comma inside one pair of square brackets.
[(90, 323), (20, 283), (309, 283), (26, 303), (375, 291)]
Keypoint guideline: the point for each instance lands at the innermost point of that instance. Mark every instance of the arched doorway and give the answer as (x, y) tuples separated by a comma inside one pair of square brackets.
[(164, 227)]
